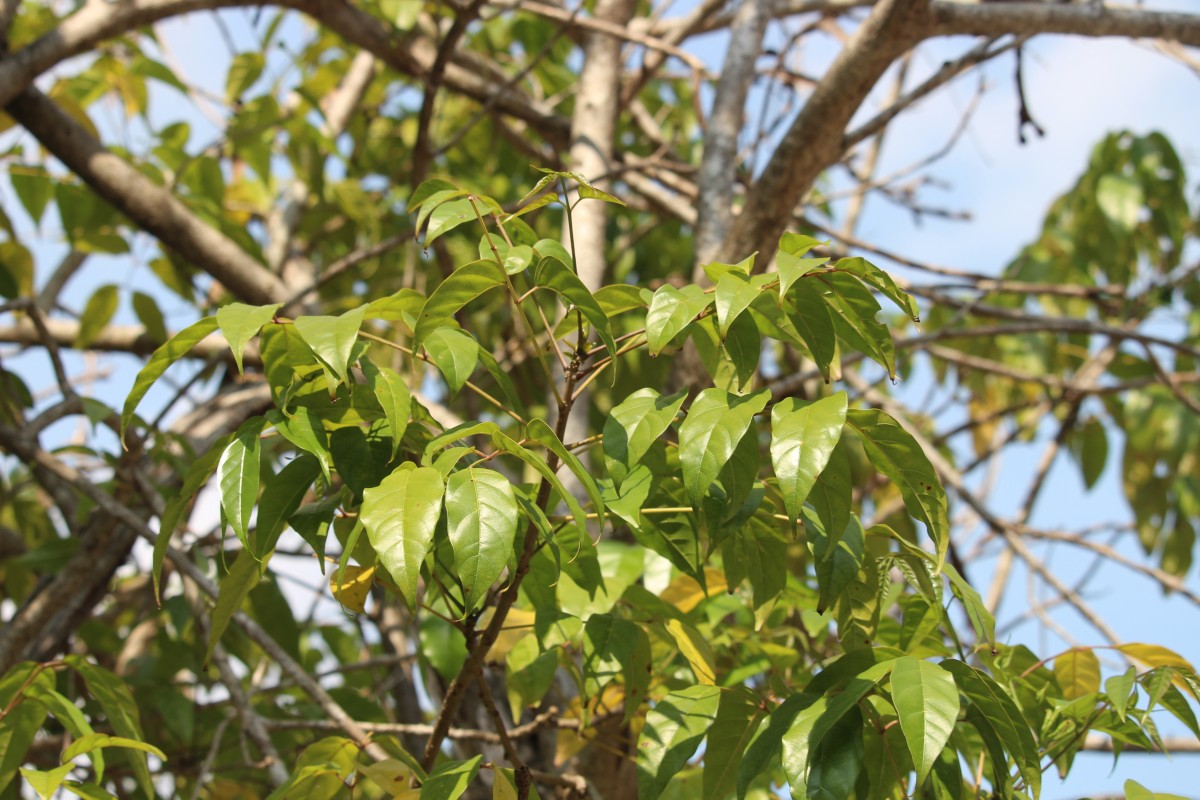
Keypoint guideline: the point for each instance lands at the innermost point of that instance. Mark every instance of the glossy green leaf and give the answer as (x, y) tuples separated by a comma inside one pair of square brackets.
[(238, 477), (1119, 689), (450, 779), (539, 431), (792, 268), (508, 445), (454, 353), (459, 433), (555, 275), (714, 426), (838, 558), (734, 293), (762, 754), (481, 516), (462, 286), (304, 429), (810, 317), (394, 397), (1077, 672), (853, 310), (873, 276), (400, 516), (977, 612), (813, 723), (634, 425), (281, 498), (448, 216), (802, 442), (894, 452), (837, 759), (239, 323), (671, 311), (1004, 716), (97, 313), (333, 339), (738, 714), (926, 700), (673, 731), (832, 494)]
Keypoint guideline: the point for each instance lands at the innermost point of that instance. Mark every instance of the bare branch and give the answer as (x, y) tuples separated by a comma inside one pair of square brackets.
[(1090, 19)]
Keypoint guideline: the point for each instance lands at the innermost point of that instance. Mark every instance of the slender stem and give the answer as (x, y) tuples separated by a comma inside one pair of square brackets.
[(600, 365)]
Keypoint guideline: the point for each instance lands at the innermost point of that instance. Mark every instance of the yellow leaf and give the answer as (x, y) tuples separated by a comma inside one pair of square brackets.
[(1077, 672), (392, 777), (685, 593), (354, 589), (517, 625), (695, 649), (1153, 655)]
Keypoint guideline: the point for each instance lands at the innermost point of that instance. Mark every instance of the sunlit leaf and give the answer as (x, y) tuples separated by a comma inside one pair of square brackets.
[(400, 515), (481, 517)]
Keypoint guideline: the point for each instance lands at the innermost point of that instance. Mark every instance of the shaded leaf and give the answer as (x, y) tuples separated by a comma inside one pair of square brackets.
[(674, 729)]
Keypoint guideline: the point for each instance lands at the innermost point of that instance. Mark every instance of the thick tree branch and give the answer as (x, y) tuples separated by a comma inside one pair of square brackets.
[(1089, 19)]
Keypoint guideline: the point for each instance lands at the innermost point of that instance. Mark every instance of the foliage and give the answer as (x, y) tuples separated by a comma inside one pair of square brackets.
[(666, 529)]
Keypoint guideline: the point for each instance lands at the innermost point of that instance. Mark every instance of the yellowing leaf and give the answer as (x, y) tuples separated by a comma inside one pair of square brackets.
[(1154, 655), (1077, 672), (355, 587), (695, 649), (517, 625), (685, 593)]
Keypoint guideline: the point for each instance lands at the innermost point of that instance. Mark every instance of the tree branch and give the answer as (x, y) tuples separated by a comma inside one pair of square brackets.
[(1091, 19)]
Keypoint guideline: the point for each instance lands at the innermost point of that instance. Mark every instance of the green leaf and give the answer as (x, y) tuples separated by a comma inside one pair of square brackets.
[(394, 397), (634, 425), (714, 426), (332, 339), (34, 188), (674, 729), (239, 477), (763, 751), (1089, 445), (303, 428), (813, 723), (811, 320), (872, 275), (853, 310), (926, 700), (1119, 689), (446, 217), (894, 452), (838, 759), (1004, 716), (243, 576), (802, 441), (481, 516), (177, 347), (149, 314), (121, 710), (454, 353), (198, 473), (450, 779), (671, 311), (96, 314), (239, 323), (94, 741), (464, 285), (529, 674), (68, 715), (738, 715), (47, 783), (458, 433), (25, 717), (613, 646), (508, 445), (981, 619), (734, 294), (281, 499), (832, 494), (400, 516), (792, 268), (245, 68), (838, 558), (555, 275), (543, 434)]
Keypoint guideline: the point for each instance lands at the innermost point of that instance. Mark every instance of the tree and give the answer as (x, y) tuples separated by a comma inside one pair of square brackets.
[(611, 503)]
